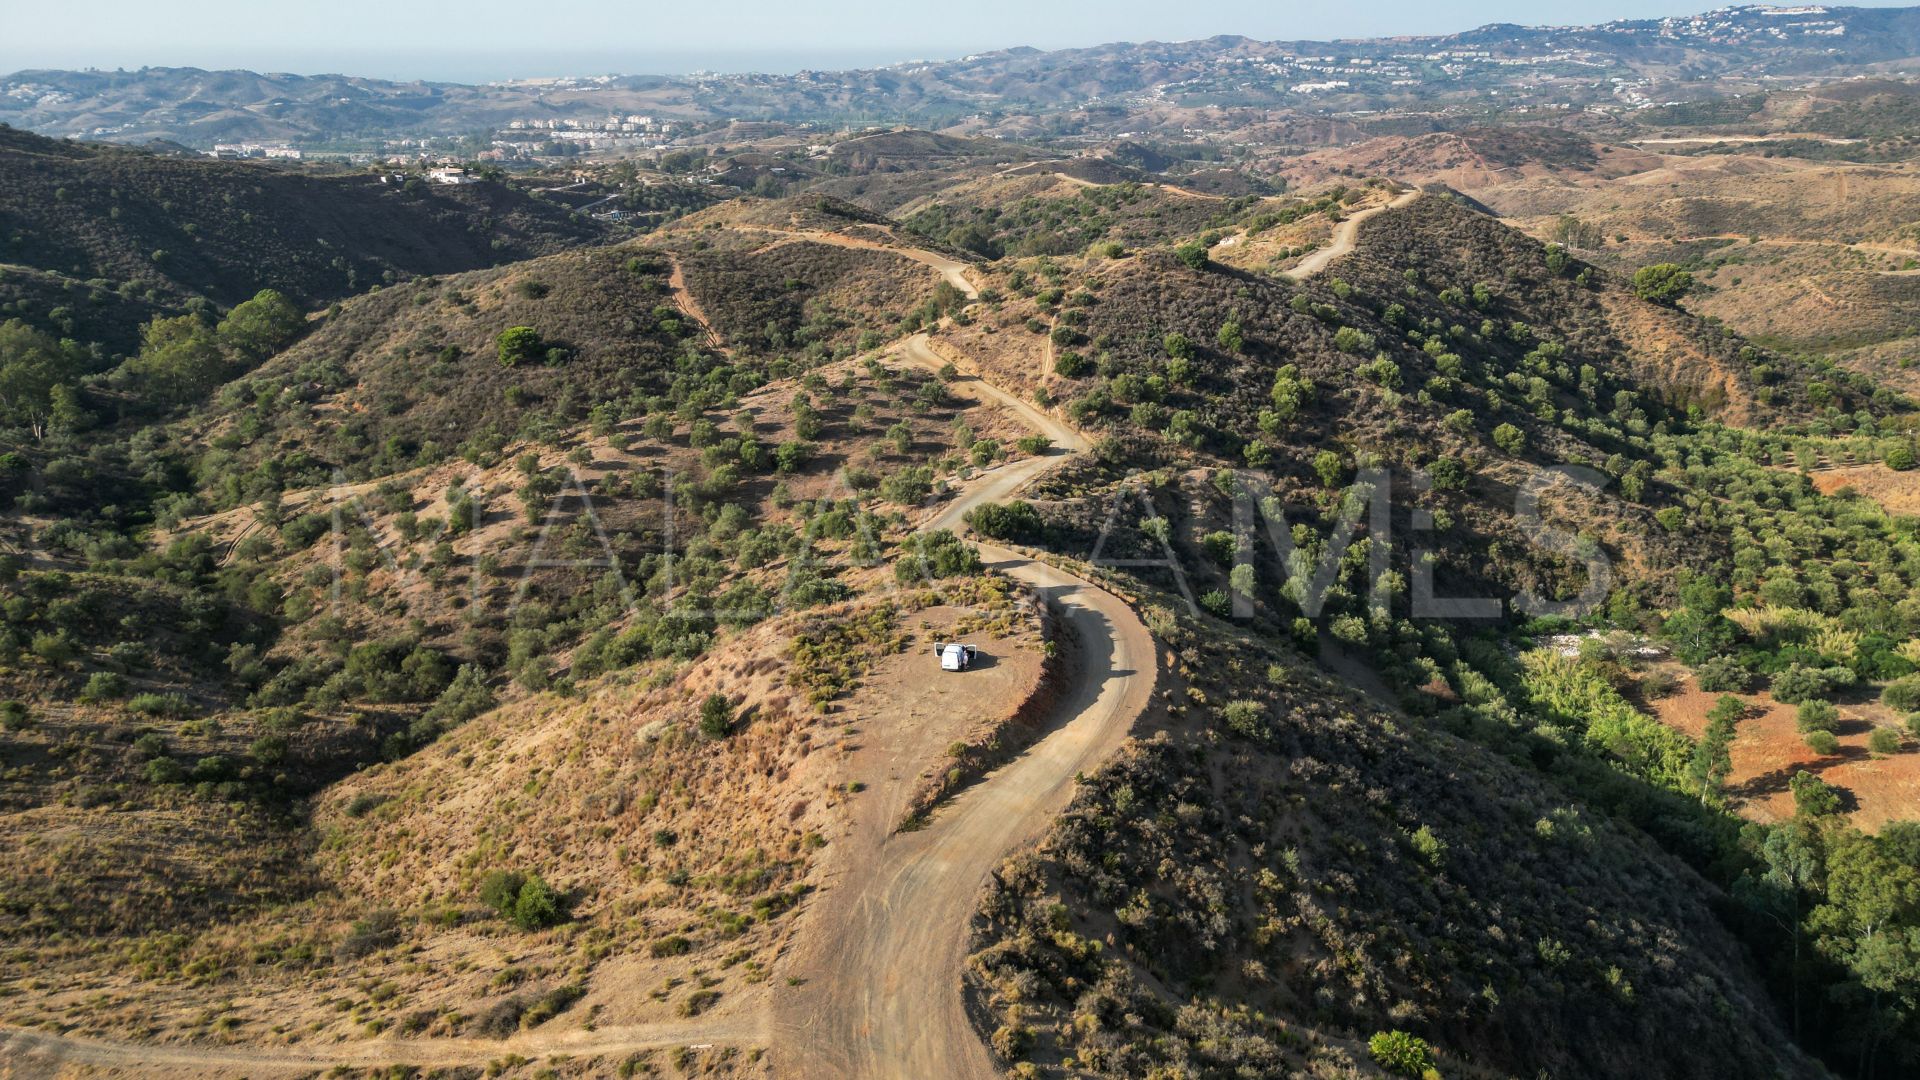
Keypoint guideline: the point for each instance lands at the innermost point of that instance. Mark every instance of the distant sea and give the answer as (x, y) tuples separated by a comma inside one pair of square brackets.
[(484, 67)]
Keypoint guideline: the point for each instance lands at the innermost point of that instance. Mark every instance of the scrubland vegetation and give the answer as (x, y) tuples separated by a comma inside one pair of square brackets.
[(1449, 348), (515, 610)]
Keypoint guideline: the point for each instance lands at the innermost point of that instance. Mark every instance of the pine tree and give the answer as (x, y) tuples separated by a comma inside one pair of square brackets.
[(1713, 755)]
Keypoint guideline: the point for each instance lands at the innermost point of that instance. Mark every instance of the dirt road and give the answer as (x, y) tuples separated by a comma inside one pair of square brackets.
[(684, 300), (1344, 235), (953, 270), (886, 944), (883, 963)]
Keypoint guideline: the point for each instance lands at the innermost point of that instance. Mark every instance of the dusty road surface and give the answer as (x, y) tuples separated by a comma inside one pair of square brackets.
[(684, 300), (1344, 235), (885, 945), (30, 1055), (999, 484), (953, 270)]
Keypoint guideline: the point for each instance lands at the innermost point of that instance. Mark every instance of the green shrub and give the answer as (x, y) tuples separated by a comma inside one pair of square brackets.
[(1902, 695), (671, 945), (1723, 674), (159, 704), (1071, 365), (1883, 741), (55, 648), (1662, 283), (1800, 683), (1231, 336), (716, 716), (1349, 340), (1816, 715), (938, 554), (499, 889), (789, 457), (1400, 1053), (15, 716), (518, 345), (269, 750), (1247, 719), (537, 906), (1448, 473), (525, 900), (1812, 796), (1011, 1042), (1016, 521), (1824, 743)]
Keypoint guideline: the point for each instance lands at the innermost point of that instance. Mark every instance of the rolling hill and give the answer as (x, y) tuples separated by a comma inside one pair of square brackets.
[(108, 234)]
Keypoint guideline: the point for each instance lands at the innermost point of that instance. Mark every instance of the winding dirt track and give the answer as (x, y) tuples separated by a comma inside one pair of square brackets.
[(888, 942), (952, 270), (885, 959), (1344, 235)]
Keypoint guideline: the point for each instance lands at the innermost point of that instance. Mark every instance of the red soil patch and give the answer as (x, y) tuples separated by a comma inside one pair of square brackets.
[(1769, 749), (1896, 492)]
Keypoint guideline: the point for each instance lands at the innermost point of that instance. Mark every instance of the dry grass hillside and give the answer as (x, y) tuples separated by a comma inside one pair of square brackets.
[(1805, 255), (598, 580), (416, 373), (529, 671), (1475, 159)]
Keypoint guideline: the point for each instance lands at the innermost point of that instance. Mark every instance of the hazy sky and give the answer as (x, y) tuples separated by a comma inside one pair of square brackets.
[(490, 39)]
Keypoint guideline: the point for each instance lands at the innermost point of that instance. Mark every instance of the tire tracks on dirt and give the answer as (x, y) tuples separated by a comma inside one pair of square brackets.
[(1344, 236), (887, 955), (886, 945)]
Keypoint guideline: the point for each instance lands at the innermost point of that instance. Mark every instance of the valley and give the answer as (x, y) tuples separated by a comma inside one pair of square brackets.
[(1430, 527)]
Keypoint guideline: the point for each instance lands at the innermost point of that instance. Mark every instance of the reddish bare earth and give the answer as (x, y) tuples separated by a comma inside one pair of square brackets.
[(1897, 492), (1769, 750)]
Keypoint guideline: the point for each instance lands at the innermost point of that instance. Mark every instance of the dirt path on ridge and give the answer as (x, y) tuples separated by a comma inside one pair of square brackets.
[(883, 991), (1344, 235)]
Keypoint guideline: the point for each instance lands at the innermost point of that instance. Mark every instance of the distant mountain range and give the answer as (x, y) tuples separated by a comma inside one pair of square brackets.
[(1626, 64)]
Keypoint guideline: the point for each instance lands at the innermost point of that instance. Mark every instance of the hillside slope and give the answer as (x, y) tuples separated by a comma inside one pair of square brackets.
[(1274, 878), (124, 227)]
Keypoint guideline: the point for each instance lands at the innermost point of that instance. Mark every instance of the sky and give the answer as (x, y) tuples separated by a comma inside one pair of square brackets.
[(484, 40)]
